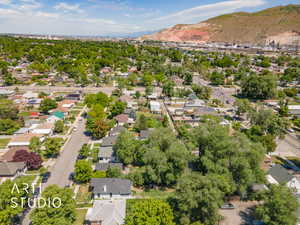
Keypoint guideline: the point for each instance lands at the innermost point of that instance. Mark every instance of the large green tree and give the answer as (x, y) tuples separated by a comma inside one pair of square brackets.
[(63, 215), (279, 206), (149, 211), (47, 104), (83, 171)]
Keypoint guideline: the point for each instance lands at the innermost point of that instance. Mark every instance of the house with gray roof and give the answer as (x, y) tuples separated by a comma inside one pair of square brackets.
[(106, 166), (277, 174), (108, 188), (106, 154), (12, 169), (109, 141), (116, 130), (106, 212)]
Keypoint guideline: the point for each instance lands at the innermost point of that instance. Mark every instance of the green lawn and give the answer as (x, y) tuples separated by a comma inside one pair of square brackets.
[(152, 193), (80, 216), (83, 194), (4, 142)]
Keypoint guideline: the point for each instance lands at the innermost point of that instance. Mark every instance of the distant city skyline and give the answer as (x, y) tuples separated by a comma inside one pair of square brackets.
[(114, 17)]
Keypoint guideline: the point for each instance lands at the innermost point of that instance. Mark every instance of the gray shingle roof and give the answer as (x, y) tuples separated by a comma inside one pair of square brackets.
[(116, 130), (107, 212), (105, 166), (109, 141), (280, 174), (106, 152), (11, 168), (114, 186)]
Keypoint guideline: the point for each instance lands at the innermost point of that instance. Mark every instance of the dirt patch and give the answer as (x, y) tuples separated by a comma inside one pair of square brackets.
[(241, 215)]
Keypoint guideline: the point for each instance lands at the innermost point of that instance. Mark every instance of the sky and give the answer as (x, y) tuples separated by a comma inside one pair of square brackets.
[(115, 17)]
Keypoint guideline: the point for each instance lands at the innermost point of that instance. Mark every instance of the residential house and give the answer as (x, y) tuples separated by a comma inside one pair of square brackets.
[(106, 166), (122, 119), (4, 92), (116, 130), (106, 154), (22, 141), (74, 96), (279, 175), (294, 110), (58, 115), (145, 134), (155, 107), (12, 170), (109, 188), (43, 129), (106, 212), (131, 113), (109, 141), (22, 130)]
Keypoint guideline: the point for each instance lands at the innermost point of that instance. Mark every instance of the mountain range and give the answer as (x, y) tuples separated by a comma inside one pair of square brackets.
[(280, 25)]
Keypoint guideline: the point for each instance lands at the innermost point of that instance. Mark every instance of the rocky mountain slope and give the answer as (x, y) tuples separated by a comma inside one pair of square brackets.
[(280, 24)]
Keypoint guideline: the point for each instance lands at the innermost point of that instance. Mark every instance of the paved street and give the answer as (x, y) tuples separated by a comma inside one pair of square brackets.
[(107, 90), (64, 165)]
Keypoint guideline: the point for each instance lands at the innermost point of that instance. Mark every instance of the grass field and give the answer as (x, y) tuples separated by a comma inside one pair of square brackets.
[(83, 194), (80, 216), (157, 194), (4, 142)]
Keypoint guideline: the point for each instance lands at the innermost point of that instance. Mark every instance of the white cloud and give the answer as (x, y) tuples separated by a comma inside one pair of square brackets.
[(5, 2), (68, 7), (199, 13)]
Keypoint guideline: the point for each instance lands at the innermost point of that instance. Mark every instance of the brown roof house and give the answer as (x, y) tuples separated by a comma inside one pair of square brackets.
[(22, 141)]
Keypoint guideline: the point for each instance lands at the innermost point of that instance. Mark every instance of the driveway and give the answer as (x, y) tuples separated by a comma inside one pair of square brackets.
[(241, 215)]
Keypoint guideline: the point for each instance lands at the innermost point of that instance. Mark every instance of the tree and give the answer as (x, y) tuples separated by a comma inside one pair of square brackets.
[(168, 88), (84, 151), (99, 174), (188, 78), (234, 156), (99, 98), (63, 215), (126, 148), (149, 211), (114, 172), (35, 144), (202, 92), (47, 104), (279, 206), (83, 171), (242, 106), (117, 109), (52, 147), (269, 122), (217, 78), (9, 211), (259, 87), (33, 161), (198, 198), (8, 110), (8, 126), (59, 126), (98, 128)]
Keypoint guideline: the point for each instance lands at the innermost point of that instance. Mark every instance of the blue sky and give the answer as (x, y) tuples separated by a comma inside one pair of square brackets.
[(113, 17)]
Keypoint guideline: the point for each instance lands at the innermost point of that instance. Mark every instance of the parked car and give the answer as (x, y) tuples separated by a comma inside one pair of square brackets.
[(228, 206), (46, 177)]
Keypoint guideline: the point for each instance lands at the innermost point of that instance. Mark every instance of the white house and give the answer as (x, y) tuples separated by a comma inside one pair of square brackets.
[(155, 107), (279, 175)]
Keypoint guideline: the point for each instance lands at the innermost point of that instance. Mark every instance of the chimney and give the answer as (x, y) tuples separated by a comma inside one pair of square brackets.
[(105, 188)]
